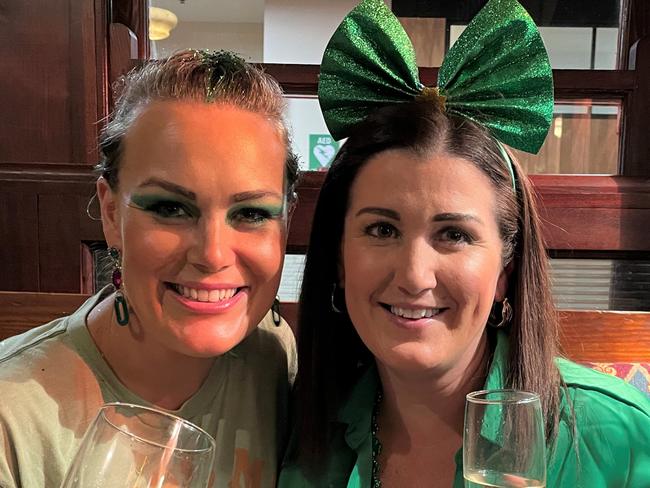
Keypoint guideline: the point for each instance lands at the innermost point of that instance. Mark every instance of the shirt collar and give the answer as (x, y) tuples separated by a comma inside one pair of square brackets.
[(356, 412)]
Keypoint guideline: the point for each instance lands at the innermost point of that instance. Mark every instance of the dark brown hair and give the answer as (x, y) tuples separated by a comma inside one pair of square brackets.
[(195, 76), (331, 353)]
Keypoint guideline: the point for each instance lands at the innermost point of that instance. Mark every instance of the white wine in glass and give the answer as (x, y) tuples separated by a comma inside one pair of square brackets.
[(504, 443), (130, 446)]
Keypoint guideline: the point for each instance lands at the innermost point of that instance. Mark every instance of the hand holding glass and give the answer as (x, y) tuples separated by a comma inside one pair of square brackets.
[(139, 447), (503, 441)]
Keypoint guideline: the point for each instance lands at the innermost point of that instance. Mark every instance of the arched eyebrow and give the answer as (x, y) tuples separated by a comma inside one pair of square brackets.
[(170, 187), (190, 195), (455, 216), (255, 195), (441, 217), (384, 212)]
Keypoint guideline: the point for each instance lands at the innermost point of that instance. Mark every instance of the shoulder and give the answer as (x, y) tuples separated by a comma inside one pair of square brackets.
[(603, 391), (42, 340), (603, 429), (43, 367), (19, 354), (272, 345), (38, 336)]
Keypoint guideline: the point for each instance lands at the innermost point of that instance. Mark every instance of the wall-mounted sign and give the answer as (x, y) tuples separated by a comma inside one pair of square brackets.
[(322, 149)]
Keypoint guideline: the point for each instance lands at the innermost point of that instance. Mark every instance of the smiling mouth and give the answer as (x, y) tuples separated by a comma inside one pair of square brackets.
[(202, 295), (413, 313)]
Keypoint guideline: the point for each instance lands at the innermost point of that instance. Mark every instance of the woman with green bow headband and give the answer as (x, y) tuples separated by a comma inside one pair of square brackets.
[(426, 275)]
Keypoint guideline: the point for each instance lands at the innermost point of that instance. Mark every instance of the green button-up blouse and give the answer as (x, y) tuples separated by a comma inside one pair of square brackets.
[(612, 434)]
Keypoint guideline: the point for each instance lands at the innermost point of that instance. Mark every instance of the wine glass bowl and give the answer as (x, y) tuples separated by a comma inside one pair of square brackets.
[(140, 447), (504, 441)]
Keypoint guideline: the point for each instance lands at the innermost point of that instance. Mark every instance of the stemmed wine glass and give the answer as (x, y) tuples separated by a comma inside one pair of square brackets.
[(503, 442), (140, 447)]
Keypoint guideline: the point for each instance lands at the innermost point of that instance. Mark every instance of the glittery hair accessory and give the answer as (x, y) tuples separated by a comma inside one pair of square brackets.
[(497, 73)]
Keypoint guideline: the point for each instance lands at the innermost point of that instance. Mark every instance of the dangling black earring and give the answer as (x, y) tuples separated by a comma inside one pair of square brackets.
[(120, 305), (506, 315), (275, 312)]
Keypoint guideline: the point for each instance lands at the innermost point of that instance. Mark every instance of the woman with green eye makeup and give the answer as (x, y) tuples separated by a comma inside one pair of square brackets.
[(196, 187)]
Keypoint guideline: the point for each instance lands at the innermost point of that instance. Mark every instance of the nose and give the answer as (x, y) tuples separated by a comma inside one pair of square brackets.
[(213, 246), (416, 267)]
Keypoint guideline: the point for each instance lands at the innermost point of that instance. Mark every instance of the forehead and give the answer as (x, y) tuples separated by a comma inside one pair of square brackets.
[(203, 144), (435, 182)]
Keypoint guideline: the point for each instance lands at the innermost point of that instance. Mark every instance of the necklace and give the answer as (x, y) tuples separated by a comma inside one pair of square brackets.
[(376, 443)]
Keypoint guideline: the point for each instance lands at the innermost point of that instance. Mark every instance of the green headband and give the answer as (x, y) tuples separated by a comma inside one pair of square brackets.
[(497, 73)]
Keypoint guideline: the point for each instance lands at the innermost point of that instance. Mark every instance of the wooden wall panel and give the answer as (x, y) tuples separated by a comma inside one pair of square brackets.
[(48, 94), (609, 337), (20, 312), (59, 243), (18, 241)]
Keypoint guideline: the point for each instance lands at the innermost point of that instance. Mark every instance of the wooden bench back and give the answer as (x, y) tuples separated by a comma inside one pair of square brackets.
[(586, 336)]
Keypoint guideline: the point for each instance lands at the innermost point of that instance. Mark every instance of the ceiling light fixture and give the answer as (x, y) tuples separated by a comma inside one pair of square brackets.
[(161, 23)]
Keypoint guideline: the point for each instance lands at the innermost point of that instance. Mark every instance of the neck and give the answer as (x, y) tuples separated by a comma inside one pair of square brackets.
[(418, 404), (164, 377)]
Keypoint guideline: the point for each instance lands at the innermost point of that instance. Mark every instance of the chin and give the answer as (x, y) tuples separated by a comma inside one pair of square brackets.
[(209, 341), (411, 358), (210, 348)]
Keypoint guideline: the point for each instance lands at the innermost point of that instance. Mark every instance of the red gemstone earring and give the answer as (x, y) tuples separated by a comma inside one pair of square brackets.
[(120, 305)]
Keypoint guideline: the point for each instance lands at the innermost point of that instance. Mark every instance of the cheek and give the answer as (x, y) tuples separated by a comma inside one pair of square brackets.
[(357, 262), (263, 253), (476, 279), (148, 249)]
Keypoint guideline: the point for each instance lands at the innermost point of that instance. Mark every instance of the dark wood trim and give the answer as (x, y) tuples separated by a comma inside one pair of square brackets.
[(82, 62), (21, 311), (102, 21), (605, 336), (302, 79), (624, 35), (123, 52), (635, 143), (135, 16)]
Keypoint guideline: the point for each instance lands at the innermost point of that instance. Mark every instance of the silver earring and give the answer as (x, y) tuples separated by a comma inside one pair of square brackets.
[(506, 315), (333, 300)]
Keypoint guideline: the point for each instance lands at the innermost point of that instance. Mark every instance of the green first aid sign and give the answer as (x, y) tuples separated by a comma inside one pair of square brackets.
[(322, 149)]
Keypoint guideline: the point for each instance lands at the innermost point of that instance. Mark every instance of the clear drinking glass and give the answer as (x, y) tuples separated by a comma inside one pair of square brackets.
[(503, 443), (140, 447)]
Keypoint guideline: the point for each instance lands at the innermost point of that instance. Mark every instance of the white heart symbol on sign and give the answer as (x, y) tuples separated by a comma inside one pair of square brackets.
[(324, 154)]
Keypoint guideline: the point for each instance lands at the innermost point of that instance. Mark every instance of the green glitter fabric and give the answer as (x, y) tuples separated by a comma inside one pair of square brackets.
[(497, 73)]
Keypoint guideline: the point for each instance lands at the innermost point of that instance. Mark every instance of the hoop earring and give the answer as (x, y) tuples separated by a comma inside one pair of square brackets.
[(120, 305), (275, 312), (333, 300), (90, 203), (506, 315)]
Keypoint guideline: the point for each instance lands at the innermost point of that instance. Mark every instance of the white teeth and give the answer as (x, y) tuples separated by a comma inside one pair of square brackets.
[(202, 295), (418, 313)]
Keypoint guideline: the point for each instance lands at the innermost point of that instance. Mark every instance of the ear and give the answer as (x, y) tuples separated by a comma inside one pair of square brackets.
[(502, 281), (110, 211)]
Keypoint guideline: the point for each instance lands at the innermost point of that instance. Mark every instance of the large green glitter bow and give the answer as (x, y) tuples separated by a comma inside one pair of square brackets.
[(497, 73)]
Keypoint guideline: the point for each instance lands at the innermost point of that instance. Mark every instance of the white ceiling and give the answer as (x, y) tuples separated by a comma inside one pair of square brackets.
[(215, 10)]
